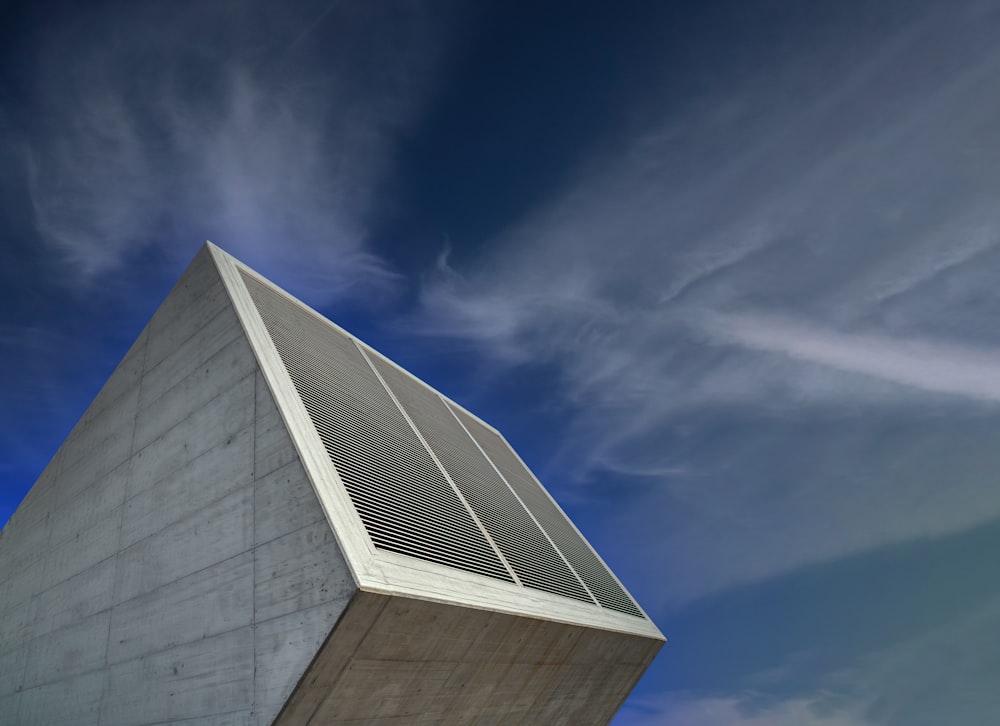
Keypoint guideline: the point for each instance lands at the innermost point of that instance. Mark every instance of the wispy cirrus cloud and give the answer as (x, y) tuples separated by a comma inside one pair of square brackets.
[(927, 365), (709, 710), (944, 675), (262, 128), (820, 275), (897, 635)]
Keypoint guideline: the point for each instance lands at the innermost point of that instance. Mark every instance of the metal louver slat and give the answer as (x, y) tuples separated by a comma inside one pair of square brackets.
[(403, 499), (531, 555), (577, 552)]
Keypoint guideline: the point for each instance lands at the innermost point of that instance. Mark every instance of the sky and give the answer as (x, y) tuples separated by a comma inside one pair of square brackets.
[(724, 273)]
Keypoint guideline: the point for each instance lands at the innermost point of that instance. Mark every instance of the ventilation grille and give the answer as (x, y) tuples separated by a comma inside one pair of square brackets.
[(380, 425), (577, 552), (534, 560), (403, 499)]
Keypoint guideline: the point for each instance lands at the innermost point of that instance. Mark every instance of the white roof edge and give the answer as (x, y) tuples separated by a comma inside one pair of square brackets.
[(288, 296), (346, 525)]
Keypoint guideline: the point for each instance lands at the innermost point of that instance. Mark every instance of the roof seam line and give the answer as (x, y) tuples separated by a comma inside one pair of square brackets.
[(521, 502), (440, 466)]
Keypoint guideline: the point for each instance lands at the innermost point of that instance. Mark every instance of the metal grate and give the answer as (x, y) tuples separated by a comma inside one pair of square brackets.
[(386, 433), (403, 499), (577, 552), (531, 555)]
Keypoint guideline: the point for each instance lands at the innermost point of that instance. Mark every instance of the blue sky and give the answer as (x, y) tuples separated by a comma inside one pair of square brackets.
[(725, 273)]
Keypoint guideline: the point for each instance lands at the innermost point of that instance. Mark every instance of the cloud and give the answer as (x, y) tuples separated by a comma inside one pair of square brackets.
[(903, 634), (946, 675), (942, 675), (265, 129), (695, 710), (92, 185), (928, 365), (768, 313)]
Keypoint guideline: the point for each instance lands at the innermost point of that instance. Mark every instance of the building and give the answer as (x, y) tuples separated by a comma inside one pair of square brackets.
[(260, 519)]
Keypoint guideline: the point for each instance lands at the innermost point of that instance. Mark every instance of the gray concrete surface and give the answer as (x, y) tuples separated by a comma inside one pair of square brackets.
[(396, 660), (172, 563), (181, 560)]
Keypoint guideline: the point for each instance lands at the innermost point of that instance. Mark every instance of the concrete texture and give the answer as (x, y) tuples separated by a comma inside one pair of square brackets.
[(396, 660), (191, 555), (172, 562)]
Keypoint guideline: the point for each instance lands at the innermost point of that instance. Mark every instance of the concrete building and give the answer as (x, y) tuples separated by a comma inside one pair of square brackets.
[(261, 520)]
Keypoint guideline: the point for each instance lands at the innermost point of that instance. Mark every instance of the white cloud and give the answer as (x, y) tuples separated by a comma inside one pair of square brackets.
[(695, 710), (928, 365), (943, 674), (265, 129), (862, 202), (93, 184)]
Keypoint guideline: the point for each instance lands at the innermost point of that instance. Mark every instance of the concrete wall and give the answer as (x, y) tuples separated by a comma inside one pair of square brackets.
[(172, 562), (408, 662)]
